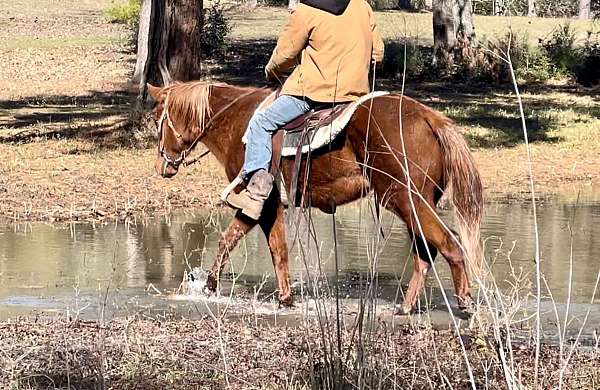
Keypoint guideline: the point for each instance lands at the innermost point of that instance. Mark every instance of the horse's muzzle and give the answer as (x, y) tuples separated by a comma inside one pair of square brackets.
[(164, 168)]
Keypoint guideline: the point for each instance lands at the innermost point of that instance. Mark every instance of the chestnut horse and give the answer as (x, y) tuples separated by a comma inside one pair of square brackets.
[(385, 136)]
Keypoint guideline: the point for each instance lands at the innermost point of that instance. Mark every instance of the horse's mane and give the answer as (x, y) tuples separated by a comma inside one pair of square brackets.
[(189, 101)]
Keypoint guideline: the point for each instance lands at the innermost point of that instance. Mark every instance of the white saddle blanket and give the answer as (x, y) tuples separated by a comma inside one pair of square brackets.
[(321, 136)]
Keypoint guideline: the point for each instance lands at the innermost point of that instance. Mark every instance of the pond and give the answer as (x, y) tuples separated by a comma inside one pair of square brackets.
[(118, 268)]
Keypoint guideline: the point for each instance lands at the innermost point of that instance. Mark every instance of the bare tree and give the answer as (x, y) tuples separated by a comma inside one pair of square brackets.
[(452, 27), (531, 9), (585, 9)]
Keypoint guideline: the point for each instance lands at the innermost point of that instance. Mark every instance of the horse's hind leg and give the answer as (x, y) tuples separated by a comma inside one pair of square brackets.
[(425, 222), (423, 255), (273, 225), (237, 229)]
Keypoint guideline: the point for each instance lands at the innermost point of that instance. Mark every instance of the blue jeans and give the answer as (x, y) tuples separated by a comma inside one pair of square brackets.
[(263, 125)]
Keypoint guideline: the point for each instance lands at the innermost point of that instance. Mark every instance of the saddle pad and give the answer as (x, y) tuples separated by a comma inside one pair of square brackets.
[(321, 136)]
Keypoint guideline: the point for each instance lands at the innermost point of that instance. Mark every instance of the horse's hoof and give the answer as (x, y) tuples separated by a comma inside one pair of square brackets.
[(403, 310), (208, 291), (466, 305), (287, 302), (211, 284)]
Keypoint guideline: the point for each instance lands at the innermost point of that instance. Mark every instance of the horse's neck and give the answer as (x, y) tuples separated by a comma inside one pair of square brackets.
[(231, 110)]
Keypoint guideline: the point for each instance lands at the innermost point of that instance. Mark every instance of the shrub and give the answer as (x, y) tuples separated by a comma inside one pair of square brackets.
[(535, 66), (587, 69), (128, 13), (561, 50), (215, 30), (416, 59), (489, 61)]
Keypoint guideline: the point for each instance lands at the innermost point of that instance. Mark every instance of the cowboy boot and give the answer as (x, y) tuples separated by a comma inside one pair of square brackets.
[(252, 199)]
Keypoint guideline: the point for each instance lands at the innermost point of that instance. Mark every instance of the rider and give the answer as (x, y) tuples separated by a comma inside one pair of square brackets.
[(331, 44)]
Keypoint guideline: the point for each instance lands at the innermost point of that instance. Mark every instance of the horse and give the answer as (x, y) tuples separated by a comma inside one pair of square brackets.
[(405, 152)]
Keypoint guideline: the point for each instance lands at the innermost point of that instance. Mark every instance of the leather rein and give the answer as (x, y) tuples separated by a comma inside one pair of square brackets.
[(181, 160)]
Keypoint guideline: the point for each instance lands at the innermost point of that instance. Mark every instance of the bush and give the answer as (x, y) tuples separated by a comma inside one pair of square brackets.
[(128, 13), (416, 59), (215, 31), (587, 69), (536, 66), (561, 49), (489, 61)]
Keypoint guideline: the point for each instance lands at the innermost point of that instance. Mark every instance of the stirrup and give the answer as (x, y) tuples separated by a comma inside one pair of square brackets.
[(234, 183)]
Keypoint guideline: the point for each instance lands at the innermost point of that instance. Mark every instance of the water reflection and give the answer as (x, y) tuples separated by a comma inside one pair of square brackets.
[(46, 262)]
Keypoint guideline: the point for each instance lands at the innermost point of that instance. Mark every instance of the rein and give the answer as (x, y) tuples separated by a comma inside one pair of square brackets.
[(181, 160)]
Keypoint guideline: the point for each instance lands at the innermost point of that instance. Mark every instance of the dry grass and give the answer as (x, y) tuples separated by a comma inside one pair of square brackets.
[(158, 354)]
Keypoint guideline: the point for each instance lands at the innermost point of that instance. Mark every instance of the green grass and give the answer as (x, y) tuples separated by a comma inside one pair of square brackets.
[(568, 119), (267, 23)]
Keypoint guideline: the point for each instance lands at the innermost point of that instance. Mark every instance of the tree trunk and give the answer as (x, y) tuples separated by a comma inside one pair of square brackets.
[(452, 27), (168, 49), (144, 33), (169, 41), (531, 9), (292, 4), (585, 9)]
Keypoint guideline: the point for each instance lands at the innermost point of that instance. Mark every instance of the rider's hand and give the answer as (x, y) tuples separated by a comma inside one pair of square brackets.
[(270, 73)]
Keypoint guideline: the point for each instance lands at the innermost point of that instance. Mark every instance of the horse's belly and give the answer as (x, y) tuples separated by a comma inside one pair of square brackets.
[(335, 178)]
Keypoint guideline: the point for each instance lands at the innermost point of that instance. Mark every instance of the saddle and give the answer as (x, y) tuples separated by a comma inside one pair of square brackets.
[(301, 127), (305, 134)]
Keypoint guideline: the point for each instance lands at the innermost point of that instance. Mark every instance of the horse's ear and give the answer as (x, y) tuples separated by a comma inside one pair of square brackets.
[(155, 92)]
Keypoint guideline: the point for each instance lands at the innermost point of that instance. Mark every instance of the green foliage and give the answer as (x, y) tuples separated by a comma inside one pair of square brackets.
[(128, 13), (215, 30), (536, 66), (494, 56), (417, 58), (544, 8), (561, 50), (587, 70)]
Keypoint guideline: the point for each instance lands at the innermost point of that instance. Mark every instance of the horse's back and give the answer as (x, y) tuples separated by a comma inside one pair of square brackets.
[(370, 155), (383, 132)]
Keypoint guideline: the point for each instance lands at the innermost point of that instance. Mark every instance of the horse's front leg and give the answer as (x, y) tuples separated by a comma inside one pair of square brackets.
[(237, 229), (272, 223)]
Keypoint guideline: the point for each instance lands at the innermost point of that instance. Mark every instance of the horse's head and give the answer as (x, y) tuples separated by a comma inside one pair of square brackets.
[(180, 112)]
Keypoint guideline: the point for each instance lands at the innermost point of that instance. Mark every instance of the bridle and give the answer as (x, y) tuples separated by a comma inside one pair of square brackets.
[(181, 160)]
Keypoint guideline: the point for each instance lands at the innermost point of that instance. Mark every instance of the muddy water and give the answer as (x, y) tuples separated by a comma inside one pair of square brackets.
[(119, 268)]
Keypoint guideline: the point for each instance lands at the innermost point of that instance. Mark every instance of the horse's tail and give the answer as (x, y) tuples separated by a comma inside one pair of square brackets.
[(466, 192)]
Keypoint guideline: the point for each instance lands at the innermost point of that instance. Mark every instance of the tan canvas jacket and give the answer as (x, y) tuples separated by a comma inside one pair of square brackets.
[(331, 54)]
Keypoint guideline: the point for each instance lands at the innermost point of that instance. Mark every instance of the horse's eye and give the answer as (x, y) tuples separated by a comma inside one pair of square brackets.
[(156, 112)]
